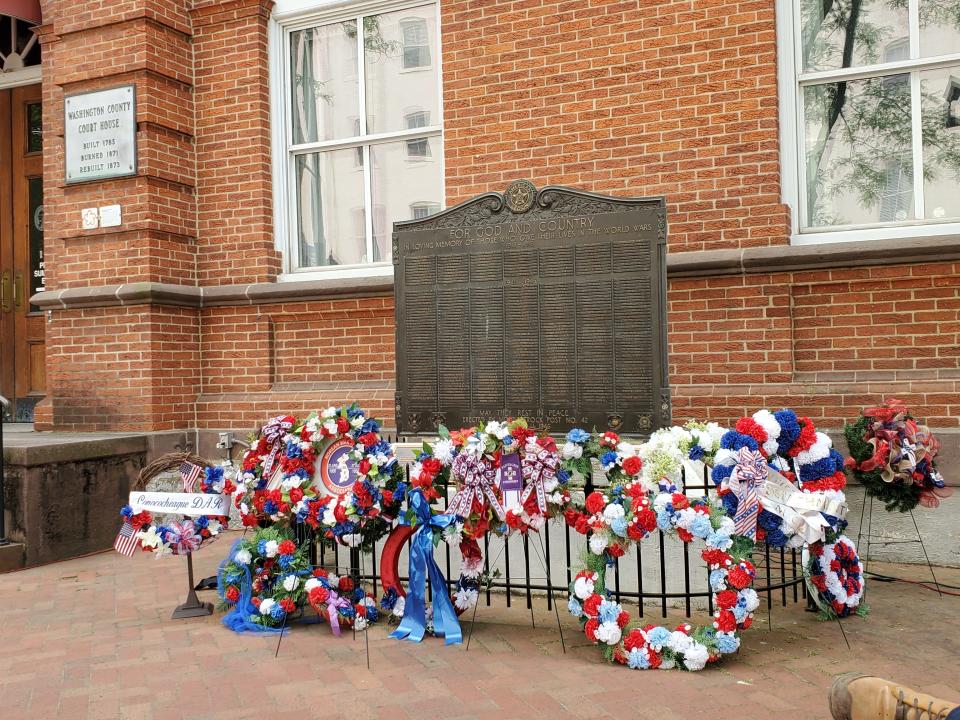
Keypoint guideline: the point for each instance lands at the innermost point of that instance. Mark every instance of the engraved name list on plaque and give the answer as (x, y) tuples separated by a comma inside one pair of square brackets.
[(546, 304)]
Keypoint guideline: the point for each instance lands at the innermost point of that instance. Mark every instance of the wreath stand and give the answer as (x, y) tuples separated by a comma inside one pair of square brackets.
[(191, 607), (541, 554), (885, 540)]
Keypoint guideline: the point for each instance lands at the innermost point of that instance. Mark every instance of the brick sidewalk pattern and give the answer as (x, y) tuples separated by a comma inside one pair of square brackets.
[(93, 638)]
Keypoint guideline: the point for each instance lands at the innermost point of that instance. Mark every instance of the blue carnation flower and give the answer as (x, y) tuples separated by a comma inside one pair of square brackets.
[(609, 459), (776, 538), (126, 511), (508, 441), (718, 580), (727, 643), (214, 475), (701, 526), (270, 507), (696, 453), (349, 611), (370, 426), (563, 476), (277, 612), (293, 449), (789, 430), (721, 473), (664, 520), (638, 660), (730, 503), (578, 435), (262, 547), (819, 469), (285, 561), (575, 608), (658, 636), (608, 611), (201, 522), (372, 613), (354, 411), (400, 492), (838, 462)]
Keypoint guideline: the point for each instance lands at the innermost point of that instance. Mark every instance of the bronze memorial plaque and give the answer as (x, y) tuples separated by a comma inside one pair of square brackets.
[(549, 304)]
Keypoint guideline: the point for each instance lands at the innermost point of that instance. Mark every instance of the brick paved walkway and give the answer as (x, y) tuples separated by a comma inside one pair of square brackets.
[(92, 638)]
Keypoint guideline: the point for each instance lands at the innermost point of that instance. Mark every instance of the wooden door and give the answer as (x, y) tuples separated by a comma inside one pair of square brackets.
[(24, 371)]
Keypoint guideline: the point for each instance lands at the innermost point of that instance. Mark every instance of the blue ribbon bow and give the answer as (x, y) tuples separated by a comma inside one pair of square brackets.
[(445, 622)]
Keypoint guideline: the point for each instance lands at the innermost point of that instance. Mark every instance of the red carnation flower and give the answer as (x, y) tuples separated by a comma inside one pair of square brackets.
[(632, 465), (634, 640), (233, 593), (726, 621), (619, 656), (340, 513), (610, 439), (583, 525), (319, 596), (623, 619), (684, 535), (715, 556), (288, 605), (808, 436), (739, 577), (726, 599), (680, 501), (616, 550), (287, 547), (522, 434), (590, 629), (343, 425), (255, 601), (748, 426), (654, 658), (296, 495), (595, 503), (591, 606), (249, 520), (346, 584), (320, 572)]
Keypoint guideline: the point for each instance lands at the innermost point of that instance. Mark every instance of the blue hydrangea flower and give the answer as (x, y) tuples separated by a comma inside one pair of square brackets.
[(664, 520), (608, 611), (575, 608), (701, 526), (658, 636), (718, 580), (619, 526), (578, 435), (727, 643), (739, 612), (719, 539), (638, 660)]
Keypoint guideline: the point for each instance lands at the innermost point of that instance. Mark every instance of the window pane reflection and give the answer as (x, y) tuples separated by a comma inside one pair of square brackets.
[(403, 189), (850, 34), (399, 48), (940, 113), (858, 152), (329, 190), (323, 71)]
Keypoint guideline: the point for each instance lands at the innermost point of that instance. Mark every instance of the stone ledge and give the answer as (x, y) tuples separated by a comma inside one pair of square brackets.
[(708, 263), (44, 448)]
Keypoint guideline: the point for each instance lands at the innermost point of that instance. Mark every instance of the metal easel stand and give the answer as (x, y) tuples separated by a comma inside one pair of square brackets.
[(192, 607), (885, 541), (546, 569)]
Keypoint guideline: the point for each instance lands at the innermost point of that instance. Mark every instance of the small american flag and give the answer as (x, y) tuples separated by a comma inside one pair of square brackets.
[(189, 472), (126, 542)]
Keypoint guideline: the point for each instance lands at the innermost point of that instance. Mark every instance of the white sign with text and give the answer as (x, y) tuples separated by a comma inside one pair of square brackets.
[(190, 504), (100, 134)]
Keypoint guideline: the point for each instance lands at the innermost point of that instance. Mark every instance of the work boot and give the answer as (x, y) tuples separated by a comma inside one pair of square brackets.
[(862, 697)]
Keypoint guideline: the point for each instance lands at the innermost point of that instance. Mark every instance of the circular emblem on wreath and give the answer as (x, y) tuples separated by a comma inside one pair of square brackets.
[(337, 469), (520, 195)]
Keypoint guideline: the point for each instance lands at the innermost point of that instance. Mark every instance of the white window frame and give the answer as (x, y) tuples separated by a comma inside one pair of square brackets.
[(791, 82), (289, 16)]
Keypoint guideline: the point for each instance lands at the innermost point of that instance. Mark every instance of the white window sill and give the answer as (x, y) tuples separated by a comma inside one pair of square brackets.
[(378, 270), (899, 232)]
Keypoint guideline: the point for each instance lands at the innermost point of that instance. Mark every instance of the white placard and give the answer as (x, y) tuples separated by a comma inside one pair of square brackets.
[(100, 134), (190, 504)]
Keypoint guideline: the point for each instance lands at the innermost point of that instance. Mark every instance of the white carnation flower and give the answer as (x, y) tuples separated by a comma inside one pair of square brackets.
[(443, 451), (598, 543), (311, 584), (571, 450), (583, 587), (696, 656), (609, 633), (272, 548), (751, 598), (679, 642), (399, 607), (612, 511), (242, 557), (266, 606), (359, 623), (291, 583)]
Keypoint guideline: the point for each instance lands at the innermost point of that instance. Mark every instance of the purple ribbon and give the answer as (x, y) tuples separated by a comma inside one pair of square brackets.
[(274, 431), (477, 475), (537, 469), (334, 604)]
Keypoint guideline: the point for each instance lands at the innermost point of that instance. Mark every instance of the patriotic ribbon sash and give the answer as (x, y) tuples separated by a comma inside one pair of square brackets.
[(801, 512), (274, 431), (477, 474), (749, 472), (538, 468), (335, 603), (423, 565), (183, 537)]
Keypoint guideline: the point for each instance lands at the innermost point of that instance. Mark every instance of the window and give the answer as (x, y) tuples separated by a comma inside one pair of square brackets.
[(873, 101), (418, 149), (354, 119), (416, 46), (421, 210)]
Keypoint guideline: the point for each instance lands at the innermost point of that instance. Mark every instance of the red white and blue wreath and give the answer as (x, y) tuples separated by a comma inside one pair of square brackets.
[(835, 577)]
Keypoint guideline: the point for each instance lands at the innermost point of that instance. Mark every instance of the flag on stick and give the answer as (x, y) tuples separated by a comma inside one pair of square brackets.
[(189, 472), (126, 542)]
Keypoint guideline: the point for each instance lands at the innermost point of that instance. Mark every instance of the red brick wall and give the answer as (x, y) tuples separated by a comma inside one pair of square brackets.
[(654, 98)]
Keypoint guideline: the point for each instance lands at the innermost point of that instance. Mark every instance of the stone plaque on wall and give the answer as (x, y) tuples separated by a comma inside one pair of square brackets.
[(100, 134), (546, 304)]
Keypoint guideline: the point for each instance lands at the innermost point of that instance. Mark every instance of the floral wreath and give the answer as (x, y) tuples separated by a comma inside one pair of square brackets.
[(341, 601), (263, 579), (895, 458), (288, 494), (835, 578), (184, 536), (793, 448), (627, 514)]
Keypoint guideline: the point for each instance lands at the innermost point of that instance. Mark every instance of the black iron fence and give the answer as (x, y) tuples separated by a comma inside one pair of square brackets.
[(646, 575)]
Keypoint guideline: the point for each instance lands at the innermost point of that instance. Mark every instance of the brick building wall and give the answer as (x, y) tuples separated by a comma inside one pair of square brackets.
[(624, 98)]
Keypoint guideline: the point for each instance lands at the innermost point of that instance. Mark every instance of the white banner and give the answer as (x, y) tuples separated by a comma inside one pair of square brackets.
[(190, 504)]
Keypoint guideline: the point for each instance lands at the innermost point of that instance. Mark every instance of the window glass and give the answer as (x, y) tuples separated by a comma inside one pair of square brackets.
[(397, 51), (324, 86), (858, 152), (850, 33), (400, 187), (940, 112), (34, 127), (939, 27), (328, 189)]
